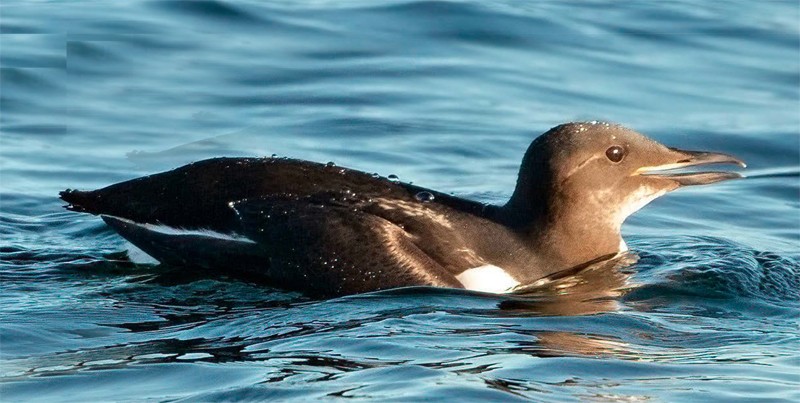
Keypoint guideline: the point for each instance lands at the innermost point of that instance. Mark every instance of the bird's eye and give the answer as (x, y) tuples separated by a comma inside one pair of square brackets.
[(615, 153)]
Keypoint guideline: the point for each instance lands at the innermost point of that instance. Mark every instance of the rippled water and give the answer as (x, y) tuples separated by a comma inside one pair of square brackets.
[(447, 95)]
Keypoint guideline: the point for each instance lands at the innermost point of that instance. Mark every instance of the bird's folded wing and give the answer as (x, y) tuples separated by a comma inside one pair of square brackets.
[(331, 239)]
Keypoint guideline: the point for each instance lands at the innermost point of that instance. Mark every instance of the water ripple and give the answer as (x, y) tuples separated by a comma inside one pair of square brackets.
[(445, 94)]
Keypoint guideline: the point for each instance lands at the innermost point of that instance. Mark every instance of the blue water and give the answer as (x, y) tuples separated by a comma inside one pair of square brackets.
[(447, 95)]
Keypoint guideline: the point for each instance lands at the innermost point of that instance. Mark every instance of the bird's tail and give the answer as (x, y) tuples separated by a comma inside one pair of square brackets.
[(80, 201)]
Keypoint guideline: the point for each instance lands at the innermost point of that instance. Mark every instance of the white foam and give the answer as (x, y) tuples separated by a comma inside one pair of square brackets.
[(487, 278)]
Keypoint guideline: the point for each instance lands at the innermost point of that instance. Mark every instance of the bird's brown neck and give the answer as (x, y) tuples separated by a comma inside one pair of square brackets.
[(561, 234)]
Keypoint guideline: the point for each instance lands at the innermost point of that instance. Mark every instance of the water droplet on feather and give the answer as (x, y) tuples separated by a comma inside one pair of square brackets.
[(424, 196)]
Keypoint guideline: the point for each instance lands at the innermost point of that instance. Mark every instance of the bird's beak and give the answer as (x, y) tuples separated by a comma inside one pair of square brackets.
[(677, 159)]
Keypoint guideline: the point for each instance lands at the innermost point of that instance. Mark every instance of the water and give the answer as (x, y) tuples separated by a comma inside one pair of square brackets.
[(447, 95)]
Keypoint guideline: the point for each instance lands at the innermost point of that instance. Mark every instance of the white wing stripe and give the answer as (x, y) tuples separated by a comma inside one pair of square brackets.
[(167, 230)]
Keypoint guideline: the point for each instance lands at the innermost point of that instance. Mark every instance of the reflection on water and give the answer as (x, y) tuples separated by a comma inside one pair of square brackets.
[(590, 288), (371, 341), (447, 95)]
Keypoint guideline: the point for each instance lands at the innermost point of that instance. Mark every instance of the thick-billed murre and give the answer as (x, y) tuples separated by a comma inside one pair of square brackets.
[(327, 230)]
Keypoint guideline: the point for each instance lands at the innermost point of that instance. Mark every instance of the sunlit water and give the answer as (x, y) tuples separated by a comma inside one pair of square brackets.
[(447, 95)]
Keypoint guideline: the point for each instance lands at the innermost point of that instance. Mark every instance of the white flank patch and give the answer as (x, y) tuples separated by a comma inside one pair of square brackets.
[(167, 230), (487, 279), (623, 247)]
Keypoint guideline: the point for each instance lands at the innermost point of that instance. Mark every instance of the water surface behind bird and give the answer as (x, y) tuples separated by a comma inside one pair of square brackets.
[(447, 95)]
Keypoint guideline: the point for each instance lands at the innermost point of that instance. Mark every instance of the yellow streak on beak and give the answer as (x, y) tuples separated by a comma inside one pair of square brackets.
[(665, 167)]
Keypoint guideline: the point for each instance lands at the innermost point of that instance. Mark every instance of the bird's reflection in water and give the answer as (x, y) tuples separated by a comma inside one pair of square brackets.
[(587, 289)]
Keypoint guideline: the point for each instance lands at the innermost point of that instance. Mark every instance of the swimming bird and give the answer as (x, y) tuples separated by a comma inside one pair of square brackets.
[(327, 230)]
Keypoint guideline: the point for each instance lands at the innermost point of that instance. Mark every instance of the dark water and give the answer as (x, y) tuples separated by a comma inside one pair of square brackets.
[(447, 95)]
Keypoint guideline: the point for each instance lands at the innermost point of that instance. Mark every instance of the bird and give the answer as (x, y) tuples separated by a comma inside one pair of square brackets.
[(326, 230)]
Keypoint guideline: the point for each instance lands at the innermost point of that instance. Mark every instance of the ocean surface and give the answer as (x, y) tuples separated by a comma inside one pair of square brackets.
[(447, 95)]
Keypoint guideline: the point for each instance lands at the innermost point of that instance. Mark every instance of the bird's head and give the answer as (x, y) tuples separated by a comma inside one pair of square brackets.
[(589, 177)]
